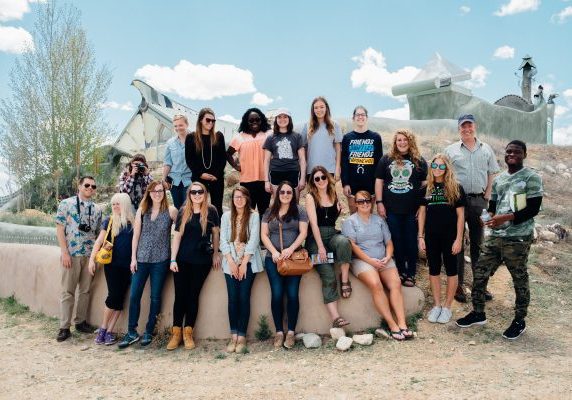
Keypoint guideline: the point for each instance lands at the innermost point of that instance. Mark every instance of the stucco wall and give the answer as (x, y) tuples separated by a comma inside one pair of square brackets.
[(32, 274)]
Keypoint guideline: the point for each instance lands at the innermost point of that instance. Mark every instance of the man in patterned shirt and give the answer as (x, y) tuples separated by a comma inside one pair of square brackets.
[(78, 222), (515, 200)]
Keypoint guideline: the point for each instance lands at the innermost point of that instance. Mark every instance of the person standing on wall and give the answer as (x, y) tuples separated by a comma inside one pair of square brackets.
[(78, 221), (205, 153), (253, 131), (175, 170), (475, 165), (361, 151)]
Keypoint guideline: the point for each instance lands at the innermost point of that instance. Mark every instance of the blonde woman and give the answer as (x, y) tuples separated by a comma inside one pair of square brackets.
[(175, 169), (240, 247), (441, 223), (399, 178), (194, 252), (117, 272)]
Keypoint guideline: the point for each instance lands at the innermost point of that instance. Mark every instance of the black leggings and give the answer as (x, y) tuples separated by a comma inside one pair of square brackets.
[(188, 284), (216, 191), (259, 197), (118, 279), (439, 246)]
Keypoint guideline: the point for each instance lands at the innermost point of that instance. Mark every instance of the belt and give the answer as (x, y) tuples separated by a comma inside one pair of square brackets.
[(475, 195)]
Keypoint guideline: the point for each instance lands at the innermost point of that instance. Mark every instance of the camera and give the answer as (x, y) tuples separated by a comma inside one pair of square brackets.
[(84, 228), (140, 168), (206, 247)]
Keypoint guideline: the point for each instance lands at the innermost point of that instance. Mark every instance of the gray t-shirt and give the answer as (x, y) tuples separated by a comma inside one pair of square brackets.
[(371, 236), (284, 148), (321, 150), (290, 229)]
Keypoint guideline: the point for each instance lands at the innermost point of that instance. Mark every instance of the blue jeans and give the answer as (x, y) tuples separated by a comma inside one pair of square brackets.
[(157, 272), (403, 228), (239, 301), (179, 194), (278, 285)]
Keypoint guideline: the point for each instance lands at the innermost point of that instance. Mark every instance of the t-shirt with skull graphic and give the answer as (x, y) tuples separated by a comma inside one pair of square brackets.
[(402, 192)]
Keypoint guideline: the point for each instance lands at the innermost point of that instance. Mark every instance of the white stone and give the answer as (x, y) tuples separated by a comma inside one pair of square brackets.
[(472, 343), (364, 340), (382, 333), (550, 169), (548, 236), (312, 341), (566, 175), (561, 167), (337, 333), (300, 335), (344, 343)]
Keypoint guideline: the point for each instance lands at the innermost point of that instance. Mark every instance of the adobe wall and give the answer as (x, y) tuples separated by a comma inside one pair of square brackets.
[(32, 274)]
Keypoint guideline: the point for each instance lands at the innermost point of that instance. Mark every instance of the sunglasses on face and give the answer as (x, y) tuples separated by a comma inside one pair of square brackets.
[(285, 192), (363, 201), (196, 192), (442, 167), (210, 120), (87, 186), (320, 178)]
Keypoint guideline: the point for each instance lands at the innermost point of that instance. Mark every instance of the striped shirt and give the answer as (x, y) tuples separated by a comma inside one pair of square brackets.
[(473, 166)]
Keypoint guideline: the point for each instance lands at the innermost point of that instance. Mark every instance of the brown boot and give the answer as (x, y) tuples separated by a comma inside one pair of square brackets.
[(188, 338), (176, 338), (241, 345)]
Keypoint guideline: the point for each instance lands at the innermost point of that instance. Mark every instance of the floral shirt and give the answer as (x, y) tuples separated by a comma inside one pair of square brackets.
[(79, 243)]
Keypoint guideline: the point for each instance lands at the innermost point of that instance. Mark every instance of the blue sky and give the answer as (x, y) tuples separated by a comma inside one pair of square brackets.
[(231, 54)]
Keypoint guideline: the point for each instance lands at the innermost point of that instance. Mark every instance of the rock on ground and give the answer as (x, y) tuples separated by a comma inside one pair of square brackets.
[(337, 333), (344, 343), (364, 340), (382, 333), (312, 341)]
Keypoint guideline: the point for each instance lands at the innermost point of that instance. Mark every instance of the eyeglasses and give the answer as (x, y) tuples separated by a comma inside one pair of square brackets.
[(320, 178), (210, 120), (286, 192), (360, 115), (239, 197), (196, 192), (363, 201), (158, 191), (87, 186), (442, 167)]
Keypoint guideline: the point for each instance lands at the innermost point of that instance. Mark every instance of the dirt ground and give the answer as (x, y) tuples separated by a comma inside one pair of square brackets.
[(444, 361)]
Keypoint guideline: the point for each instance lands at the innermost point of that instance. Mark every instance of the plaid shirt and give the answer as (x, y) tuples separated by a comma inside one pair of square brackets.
[(127, 183)]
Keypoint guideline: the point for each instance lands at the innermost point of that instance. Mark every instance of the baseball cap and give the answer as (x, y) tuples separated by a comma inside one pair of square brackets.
[(283, 111), (466, 118)]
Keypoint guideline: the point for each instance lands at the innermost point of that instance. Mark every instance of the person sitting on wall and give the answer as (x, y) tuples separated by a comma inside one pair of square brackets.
[(135, 178)]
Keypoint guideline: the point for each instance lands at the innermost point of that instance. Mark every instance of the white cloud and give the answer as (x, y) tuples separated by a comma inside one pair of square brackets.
[(517, 6), (504, 52), (562, 16), (568, 96), (563, 136), (260, 99), (15, 40), (229, 118), (372, 73), (113, 105), (13, 9), (478, 77), (198, 82), (464, 10), (559, 110), (395, 113)]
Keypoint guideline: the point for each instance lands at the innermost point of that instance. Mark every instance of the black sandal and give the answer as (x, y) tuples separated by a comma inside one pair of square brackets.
[(407, 333), (408, 282), (339, 323), (346, 288)]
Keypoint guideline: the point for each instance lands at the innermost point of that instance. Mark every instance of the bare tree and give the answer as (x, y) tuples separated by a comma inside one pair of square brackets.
[(52, 123)]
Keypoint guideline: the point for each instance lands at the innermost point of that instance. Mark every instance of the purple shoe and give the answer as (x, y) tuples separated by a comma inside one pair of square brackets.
[(110, 338), (100, 338)]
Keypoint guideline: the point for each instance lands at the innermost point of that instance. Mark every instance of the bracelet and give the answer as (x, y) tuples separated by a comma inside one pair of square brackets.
[(378, 201), (421, 237), (173, 261)]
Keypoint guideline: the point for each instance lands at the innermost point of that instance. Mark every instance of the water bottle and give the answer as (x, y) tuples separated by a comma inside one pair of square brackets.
[(485, 216)]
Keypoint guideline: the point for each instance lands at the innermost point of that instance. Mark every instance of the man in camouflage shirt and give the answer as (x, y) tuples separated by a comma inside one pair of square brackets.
[(515, 200)]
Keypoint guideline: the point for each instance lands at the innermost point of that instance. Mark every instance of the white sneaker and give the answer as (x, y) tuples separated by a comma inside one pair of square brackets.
[(445, 316), (434, 314)]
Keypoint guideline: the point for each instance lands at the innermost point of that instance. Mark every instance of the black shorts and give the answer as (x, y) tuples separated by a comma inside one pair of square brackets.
[(277, 177)]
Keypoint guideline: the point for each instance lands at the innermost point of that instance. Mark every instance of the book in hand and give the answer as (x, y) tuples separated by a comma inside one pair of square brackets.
[(316, 260)]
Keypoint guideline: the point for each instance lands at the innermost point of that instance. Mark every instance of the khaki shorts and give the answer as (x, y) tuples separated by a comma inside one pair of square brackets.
[(359, 266)]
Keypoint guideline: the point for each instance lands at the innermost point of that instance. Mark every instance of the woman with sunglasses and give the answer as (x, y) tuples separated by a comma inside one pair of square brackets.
[(117, 272), (285, 214), (284, 156), (194, 251), (441, 224), (373, 264), (253, 131), (240, 248), (324, 241), (323, 137), (150, 254), (361, 151), (205, 153), (399, 178)]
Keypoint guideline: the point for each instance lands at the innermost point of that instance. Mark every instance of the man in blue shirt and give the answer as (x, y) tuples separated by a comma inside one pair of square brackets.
[(175, 169)]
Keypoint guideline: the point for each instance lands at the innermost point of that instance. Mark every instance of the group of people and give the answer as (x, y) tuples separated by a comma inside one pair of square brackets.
[(418, 205)]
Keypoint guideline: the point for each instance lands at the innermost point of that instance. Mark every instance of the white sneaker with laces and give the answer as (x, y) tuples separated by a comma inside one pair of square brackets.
[(445, 316), (433, 315)]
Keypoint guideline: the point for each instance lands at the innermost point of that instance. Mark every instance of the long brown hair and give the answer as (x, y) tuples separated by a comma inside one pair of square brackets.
[(146, 203), (314, 124), (188, 209), (244, 231), (452, 190), (292, 212), (198, 133), (313, 189), (413, 151)]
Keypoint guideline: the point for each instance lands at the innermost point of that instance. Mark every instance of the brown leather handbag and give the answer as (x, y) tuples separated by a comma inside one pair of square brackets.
[(297, 264)]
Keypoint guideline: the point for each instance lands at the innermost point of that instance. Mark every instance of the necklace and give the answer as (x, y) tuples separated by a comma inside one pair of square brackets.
[(203, 157)]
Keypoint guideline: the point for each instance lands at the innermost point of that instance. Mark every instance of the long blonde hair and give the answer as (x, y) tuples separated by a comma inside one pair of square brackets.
[(313, 189), (452, 188), (125, 216), (188, 209), (314, 124), (413, 149)]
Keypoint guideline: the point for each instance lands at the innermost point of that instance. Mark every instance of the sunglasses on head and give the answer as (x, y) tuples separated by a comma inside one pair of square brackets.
[(320, 178), (288, 192), (195, 192), (209, 120), (87, 186), (442, 167), (363, 201)]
